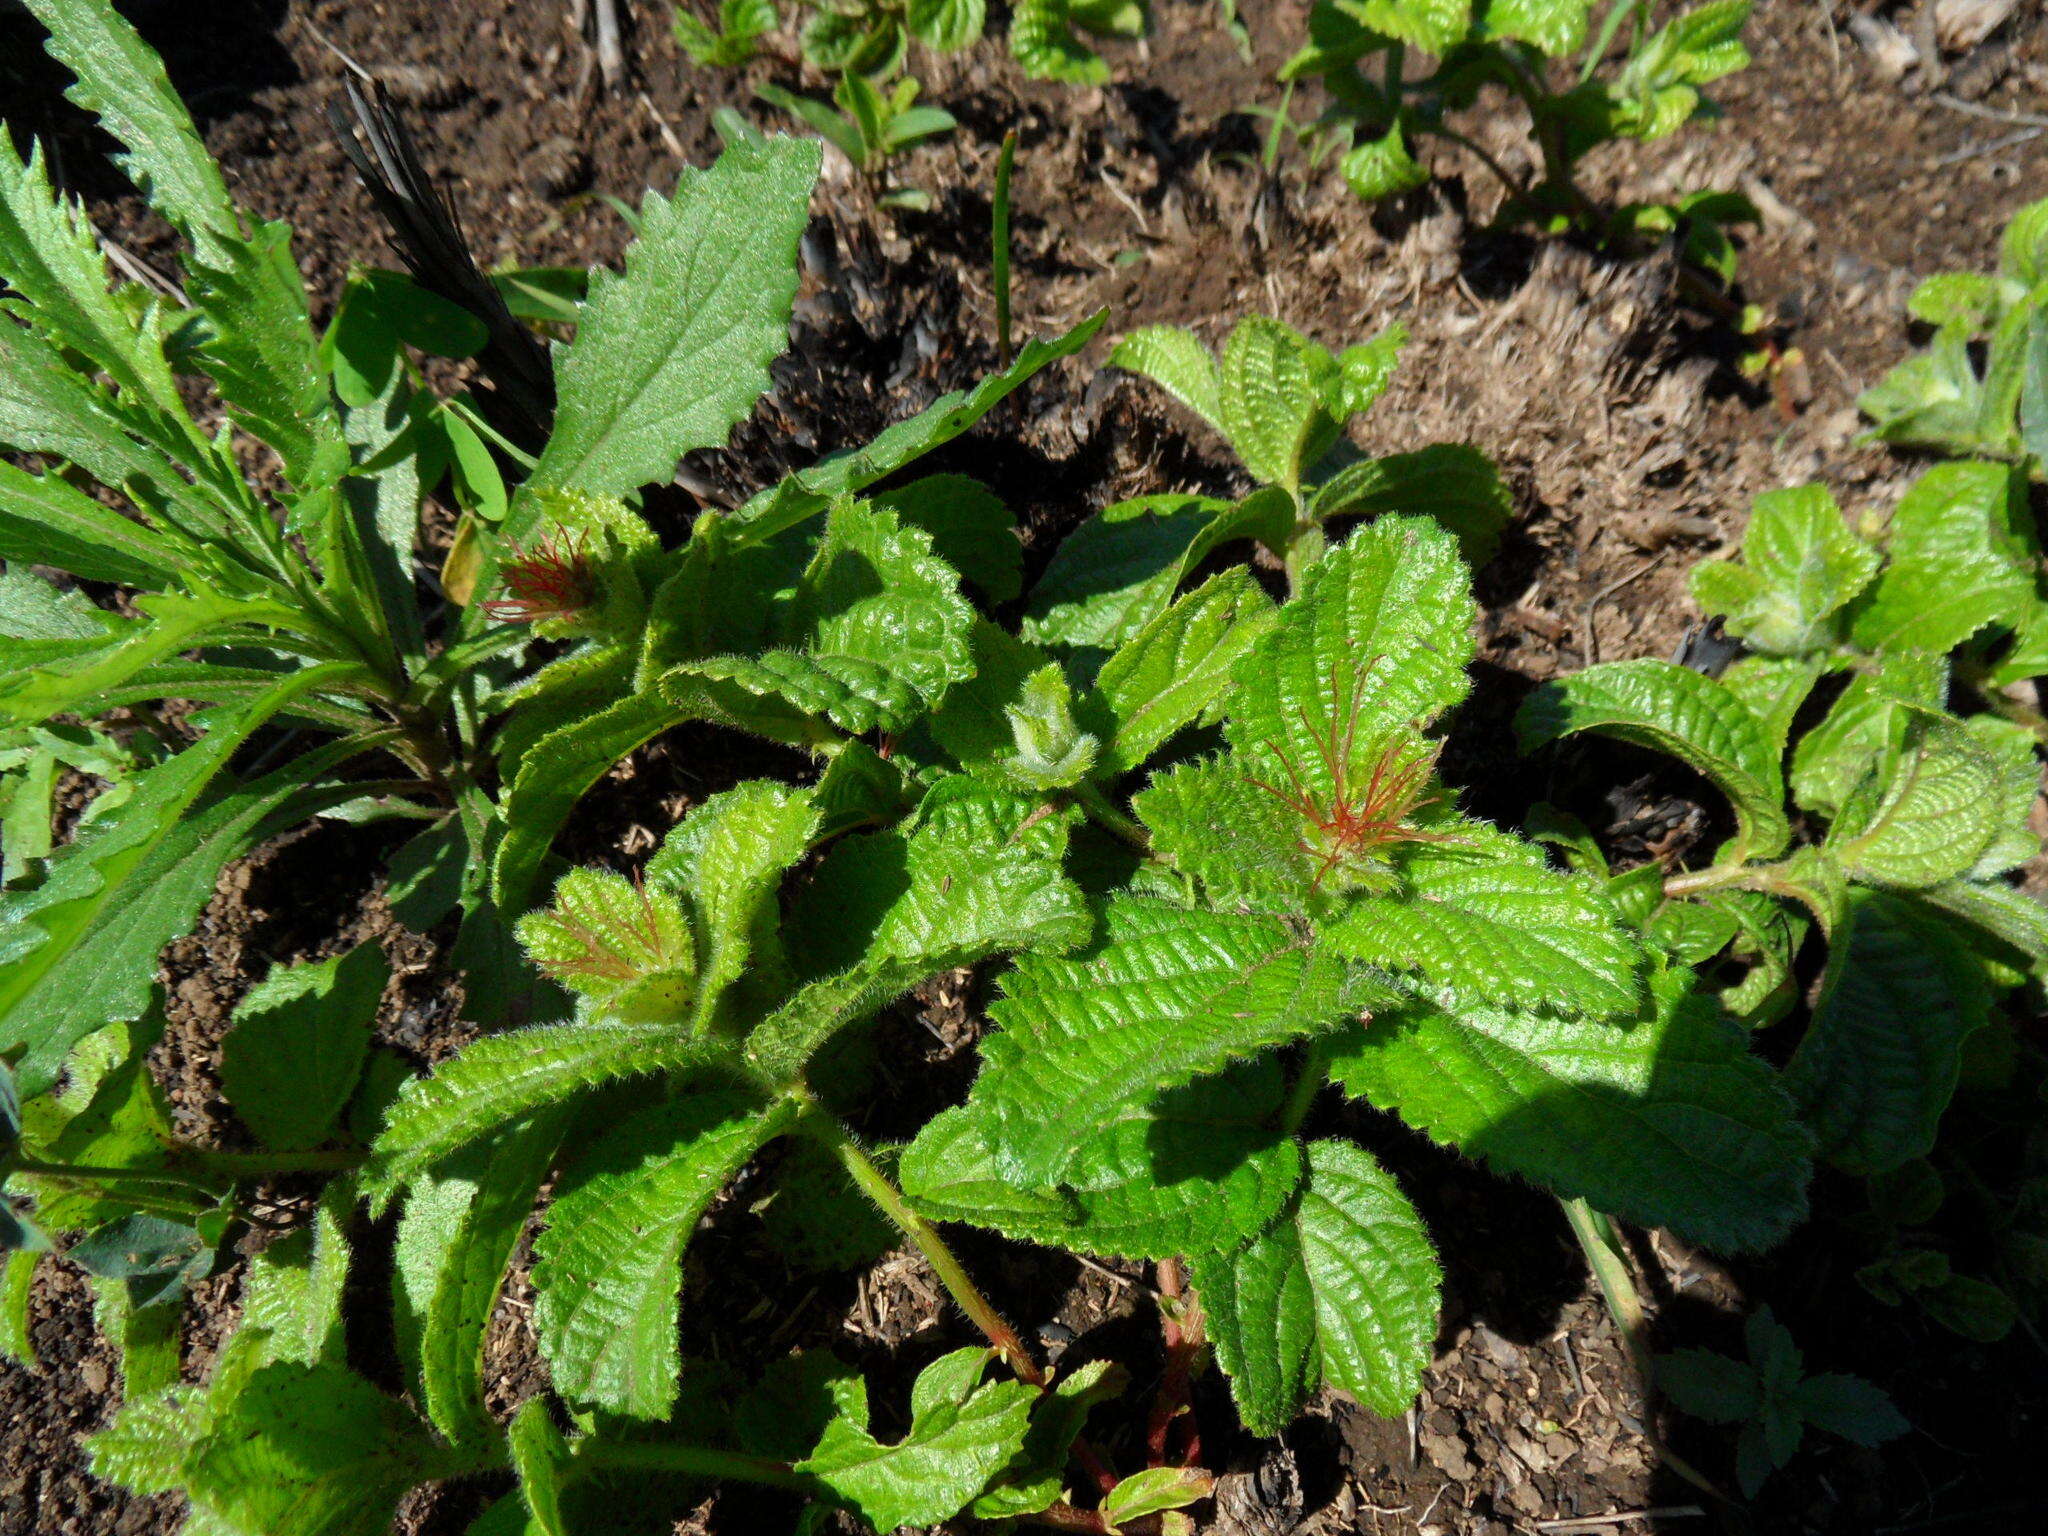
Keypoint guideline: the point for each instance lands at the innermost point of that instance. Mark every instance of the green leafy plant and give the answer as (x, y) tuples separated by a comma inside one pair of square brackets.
[(32, 762), (1892, 835), (731, 42), (1912, 1263), (1547, 55), (869, 128), (1283, 403), (1774, 1400), (1307, 908), (873, 37), (1980, 386)]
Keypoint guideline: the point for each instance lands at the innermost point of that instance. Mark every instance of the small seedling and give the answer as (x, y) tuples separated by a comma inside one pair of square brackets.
[(869, 128), (1774, 1400)]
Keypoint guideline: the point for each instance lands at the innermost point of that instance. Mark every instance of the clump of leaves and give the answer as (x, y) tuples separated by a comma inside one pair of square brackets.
[(1913, 1263), (1307, 907), (1581, 88), (873, 37), (1980, 386), (1893, 835), (1284, 404), (870, 127), (1774, 1400)]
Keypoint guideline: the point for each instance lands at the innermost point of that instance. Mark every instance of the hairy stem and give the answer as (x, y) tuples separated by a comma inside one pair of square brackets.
[(1098, 808), (1308, 1082), (924, 1236)]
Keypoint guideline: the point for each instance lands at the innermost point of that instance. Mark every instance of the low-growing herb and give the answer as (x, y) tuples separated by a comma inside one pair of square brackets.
[(1579, 92)]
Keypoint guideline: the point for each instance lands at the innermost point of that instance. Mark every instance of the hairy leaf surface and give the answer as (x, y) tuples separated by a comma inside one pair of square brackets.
[(1666, 1121), (1345, 1291)]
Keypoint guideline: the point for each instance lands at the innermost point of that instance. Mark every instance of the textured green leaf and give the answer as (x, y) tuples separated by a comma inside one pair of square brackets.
[(1119, 570), (1960, 557), (254, 338), (1883, 1053), (1164, 996), (2009, 915), (730, 854), (672, 353), (980, 875), (1177, 667), (963, 1432), (556, 772), (972, 530), (1486, 918), (1178, 363), (1155, 1490), (1036, 1476), (1343, 1292), (1710, 1387), (609, 1265), (1382, 167), (1275, 394), (1431, 24), (1774, 688), (873, 634), (122, 83), (1866, 724), (294, 1287), (80, 950), (1378, 640), (1452, 483), (502, 1077), (1927, 815), (1200, 1168), (298, 1045), (50, 257), (17, 1278), (1801, 565), (307, 1450), (1556, 27), (627, 949), (1667, 1121), (2016, 755), (456, 1236), (1042, 40), (807, 492), (540, 1458), (46, 521), (1672, 709)]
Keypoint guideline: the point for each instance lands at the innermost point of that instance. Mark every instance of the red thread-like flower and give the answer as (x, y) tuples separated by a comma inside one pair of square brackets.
[(1371, 795), (550, 581)]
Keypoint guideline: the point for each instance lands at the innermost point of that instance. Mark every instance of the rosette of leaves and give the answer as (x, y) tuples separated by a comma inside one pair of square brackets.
[(708, 1010), (1980, 385), (1283, 403), (1581, 88), (1306, 907), (1868, 813)]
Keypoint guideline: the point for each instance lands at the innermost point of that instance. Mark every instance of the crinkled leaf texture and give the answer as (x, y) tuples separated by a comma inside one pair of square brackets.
[(1666, 1120), (1178, 363), (1675, 710), (674, 351), (1379, 639), (1343, 1291), (1484, 917), (1960, 556), (963, 1432), (1881, 1058), (1199, 1168), (297, 1048), (1164, 996), (1928, 815), (610, 1261), (502, 1077), (873, 635), (1801, 564)]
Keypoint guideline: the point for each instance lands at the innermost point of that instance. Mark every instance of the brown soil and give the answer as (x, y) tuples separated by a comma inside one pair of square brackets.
[(1634, 451)]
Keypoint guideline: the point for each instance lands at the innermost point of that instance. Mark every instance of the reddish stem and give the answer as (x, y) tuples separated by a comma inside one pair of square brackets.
[(1180, 1323)]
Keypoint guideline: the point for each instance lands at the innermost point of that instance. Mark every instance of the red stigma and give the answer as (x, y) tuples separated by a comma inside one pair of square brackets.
[(1372, 793), (551, 581)]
